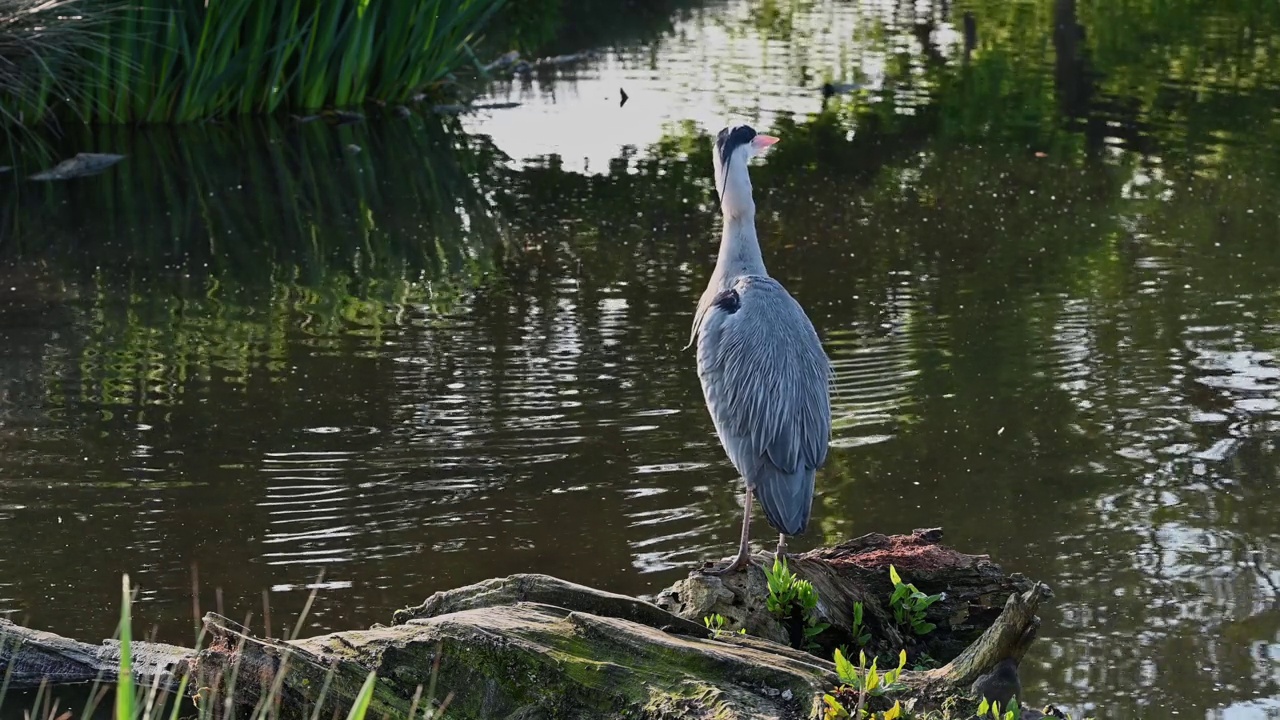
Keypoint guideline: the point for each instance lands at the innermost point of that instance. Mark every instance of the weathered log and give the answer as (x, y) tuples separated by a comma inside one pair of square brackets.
[(532, 646), (974, 591), (34, 656), (549, 591)]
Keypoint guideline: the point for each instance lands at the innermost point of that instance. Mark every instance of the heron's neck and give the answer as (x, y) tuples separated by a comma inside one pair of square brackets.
[(739, 247)]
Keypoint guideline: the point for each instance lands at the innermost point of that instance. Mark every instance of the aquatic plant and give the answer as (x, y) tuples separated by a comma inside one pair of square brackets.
[(183, 60)]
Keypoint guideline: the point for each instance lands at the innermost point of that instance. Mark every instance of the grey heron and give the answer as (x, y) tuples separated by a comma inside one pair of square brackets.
[(764, 374)]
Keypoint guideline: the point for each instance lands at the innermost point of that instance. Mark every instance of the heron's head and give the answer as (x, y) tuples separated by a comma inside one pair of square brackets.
[(734, 146)]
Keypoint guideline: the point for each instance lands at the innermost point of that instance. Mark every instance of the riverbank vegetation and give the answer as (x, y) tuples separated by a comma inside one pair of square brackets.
[(181, 60)]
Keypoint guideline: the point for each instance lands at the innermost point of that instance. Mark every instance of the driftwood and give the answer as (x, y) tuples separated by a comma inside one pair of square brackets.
[(533, 646), (35, 656), (83, 164)]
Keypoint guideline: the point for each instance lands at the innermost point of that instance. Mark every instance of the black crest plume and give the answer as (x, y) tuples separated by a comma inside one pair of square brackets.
[(728, 141)]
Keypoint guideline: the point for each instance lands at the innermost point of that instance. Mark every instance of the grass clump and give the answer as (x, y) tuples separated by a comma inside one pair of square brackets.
[(117, 61)]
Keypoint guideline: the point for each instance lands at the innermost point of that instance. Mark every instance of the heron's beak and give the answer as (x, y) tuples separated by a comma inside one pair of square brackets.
[(763, 141)]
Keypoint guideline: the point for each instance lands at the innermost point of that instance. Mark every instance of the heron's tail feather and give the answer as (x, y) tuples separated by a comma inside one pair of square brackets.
[(787, 498)]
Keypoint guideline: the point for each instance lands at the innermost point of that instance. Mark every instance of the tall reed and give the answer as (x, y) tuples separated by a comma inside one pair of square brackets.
[(183, 60)]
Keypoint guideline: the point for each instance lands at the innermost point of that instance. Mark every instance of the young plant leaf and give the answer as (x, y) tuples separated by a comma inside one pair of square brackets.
[(361, 705), (834, 709), (815, 630), (845, 670)]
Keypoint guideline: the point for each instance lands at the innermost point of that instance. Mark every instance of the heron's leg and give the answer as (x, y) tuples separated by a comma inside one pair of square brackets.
[(782, 546), (744, 546)]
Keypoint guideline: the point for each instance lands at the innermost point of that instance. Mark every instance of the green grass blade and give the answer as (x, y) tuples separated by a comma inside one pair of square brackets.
[(124, 685), (361, 705)]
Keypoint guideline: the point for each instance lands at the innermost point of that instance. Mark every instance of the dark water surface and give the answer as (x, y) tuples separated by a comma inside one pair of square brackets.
[(1045, 261)]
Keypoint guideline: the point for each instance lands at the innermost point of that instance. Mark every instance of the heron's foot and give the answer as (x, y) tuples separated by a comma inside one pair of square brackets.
[(741, 562)]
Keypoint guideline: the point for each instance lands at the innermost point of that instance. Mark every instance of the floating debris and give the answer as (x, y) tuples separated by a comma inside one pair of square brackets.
[(5, 168), (624, 97), (1220, 451), (830, 89), (304, 119), (401, 111), (565, 59), (524, 67), (79, 166), (495, 106), (353, 148), (343, 117), (504, 61), (460, 109)]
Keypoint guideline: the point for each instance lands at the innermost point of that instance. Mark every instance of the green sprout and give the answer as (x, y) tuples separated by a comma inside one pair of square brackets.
[(909, 604), (715, 623), (787, 594), (865, 682), (860, 637)]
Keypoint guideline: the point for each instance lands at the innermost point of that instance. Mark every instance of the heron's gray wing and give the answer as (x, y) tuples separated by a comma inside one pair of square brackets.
[(765, 379)]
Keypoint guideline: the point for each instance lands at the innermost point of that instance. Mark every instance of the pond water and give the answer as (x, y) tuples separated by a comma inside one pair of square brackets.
[(1041, 245)]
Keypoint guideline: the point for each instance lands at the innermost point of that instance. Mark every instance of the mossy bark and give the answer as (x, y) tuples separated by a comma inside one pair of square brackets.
[(533, 646)]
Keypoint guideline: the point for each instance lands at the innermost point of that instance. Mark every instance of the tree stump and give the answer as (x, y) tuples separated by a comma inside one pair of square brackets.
[(974, 591)]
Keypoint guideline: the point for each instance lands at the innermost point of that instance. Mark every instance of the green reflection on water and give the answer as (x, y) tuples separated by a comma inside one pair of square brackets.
[(206, 248)]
